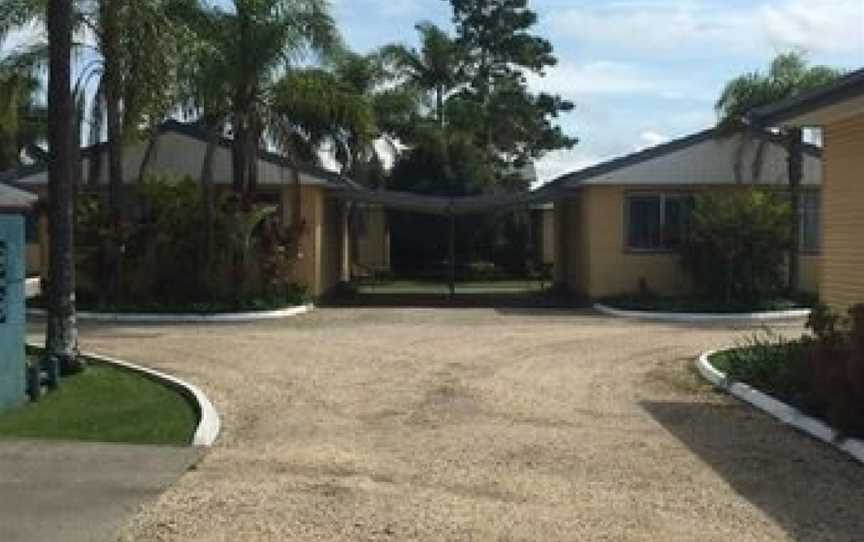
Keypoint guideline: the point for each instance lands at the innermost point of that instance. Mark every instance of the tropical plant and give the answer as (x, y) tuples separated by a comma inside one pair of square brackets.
[(61, 339), (433, 68), (787, 76), (251, 45), (23, 120), (735, 244), (836, 365)]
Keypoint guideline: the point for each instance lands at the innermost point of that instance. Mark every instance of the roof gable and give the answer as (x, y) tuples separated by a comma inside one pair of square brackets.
[(37, 173), (701, 158)]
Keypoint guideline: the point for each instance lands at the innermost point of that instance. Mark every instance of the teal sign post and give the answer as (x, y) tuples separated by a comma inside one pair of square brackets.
[(13, 204)]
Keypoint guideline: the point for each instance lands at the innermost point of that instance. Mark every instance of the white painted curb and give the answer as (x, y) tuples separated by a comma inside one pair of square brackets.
[(785, 413), (209, 423), (186, 318), (695, 317)]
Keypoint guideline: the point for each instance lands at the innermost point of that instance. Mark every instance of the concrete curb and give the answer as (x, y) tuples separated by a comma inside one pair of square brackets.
[(785, 413), (209, 423), (186, 318), (696, 317)]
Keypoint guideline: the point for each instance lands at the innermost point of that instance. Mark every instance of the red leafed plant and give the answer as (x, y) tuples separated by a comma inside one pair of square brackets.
[(837, 367)]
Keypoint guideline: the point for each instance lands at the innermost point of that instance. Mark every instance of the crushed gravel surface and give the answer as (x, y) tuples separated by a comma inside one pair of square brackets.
[(480, 425)]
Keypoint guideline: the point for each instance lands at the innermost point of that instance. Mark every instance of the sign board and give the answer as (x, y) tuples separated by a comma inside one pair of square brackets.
[(12, 320)]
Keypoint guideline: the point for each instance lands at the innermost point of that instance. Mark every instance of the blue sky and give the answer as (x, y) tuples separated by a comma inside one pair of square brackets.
[(641, 71)]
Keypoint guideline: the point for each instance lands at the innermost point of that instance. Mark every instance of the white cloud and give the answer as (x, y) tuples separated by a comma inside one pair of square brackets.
[(578, 81), (828, 26), (696, 28), (558, 163), (383, 9), (593, 78), (650, 138)]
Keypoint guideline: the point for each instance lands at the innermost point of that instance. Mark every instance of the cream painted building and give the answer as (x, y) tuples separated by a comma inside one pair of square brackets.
[(617, 223), (837, 109), (179, 152), (370, 247), (543, 232)]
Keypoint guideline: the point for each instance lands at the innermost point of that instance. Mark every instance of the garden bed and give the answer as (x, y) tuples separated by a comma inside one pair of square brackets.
[(774, 381), (183, 312), (686, 305), (684, 309), (106, 404), (87, 303)]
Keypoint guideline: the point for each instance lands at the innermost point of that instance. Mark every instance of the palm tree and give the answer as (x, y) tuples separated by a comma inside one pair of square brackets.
[(434, 68), (22, 118), (310, 109), (251, 46), (139, 48), (787, 76), (61, 338)]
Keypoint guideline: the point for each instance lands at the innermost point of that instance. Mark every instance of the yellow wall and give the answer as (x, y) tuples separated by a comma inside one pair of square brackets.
[(372, 248), (334, 247), (595, 262), (842, 281), (810, 271), (322, 257), (547, 235)]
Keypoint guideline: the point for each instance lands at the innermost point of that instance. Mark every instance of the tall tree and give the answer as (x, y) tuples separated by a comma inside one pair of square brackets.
[(433, 68), (62, 333), (787, 76), (499, 49), (253, 44)]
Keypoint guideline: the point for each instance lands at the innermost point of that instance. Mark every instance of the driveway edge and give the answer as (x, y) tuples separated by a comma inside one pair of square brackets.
[(695, 317), (186, 318), (787, 414), (209, 422)]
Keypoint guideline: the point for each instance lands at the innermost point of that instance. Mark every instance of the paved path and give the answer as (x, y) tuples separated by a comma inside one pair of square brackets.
[(80, 492), (480, 425)]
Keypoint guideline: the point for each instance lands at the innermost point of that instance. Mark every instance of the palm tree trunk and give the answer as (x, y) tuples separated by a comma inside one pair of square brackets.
[(108, 16), (238, 155), (149, 153), (796, 172), (439, 99), (61, 338), (207, 191)]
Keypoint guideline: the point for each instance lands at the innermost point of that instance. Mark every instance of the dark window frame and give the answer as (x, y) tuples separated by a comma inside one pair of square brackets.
[(664, 196)]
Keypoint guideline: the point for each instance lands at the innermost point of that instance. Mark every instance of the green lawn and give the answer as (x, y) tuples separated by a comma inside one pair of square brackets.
[(106, 404), (407, 286)]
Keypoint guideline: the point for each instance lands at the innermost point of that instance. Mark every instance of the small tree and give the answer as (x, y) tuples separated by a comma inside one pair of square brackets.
[(736, 245)]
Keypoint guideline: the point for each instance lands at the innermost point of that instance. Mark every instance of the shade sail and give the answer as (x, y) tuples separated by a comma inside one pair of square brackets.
[(439, 205)]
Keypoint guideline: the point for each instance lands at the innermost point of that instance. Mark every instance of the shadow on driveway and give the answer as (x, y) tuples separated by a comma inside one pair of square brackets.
[(810, 490), (80, 492)]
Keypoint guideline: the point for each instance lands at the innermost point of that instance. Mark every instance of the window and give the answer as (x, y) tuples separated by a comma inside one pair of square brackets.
[(656, 221), (809, 224)]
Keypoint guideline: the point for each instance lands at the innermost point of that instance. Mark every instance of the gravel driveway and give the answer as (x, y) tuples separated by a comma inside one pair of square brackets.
[(480, 425)]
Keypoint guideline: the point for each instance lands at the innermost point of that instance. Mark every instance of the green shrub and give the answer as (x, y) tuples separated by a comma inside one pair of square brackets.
[(736, 245), (772, 364), (836, 362), (823, 373), (160, 260)]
